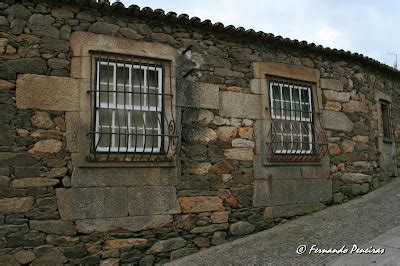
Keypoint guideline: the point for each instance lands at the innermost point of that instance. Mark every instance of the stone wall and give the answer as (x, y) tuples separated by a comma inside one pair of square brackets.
[(53, 209)]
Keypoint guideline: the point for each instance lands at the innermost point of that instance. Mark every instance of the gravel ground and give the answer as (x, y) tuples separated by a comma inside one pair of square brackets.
[(355, 222)]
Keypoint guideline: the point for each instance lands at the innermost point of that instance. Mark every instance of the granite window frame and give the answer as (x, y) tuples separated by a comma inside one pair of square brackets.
[(386, 120), (263, 71), (80, 123)]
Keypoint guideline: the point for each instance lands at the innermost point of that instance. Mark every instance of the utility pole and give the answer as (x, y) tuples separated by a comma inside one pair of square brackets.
[(395, 63)]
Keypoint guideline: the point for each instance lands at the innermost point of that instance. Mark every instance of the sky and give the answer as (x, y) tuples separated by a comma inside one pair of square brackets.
[(362, 26)]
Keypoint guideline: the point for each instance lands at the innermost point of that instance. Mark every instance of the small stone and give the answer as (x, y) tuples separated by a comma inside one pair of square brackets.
[(356, 178), (364, 188), (65, 32), (203, 135), (218, 238), (222, 167), (28, 52), (5, 85), (334, 149), (200, 204), (110, 262), (59, 121), (57, 227), (226, 133), (242, 143), (55, 172), (246, 133), (8, 260), (24, 256), (62, 13), (201, 242), (219, 121), (10, 50), (47, 134), (241, 228), (42, 120), (17, 26), (46, 147), (16, 205), (361, 139), (18, 11), (333, 106), (226, 178), (4, 181), (66, 181), (209, 228), (203, 117), (187, 221), (220, 217), (124, 243), (247, 122), (58, 63), (338, 197), (130, 33), (240, 154), (34, 182), (177, 254), (193, 167), (348, 146), (355, 106), (162, 37), (62, 241), (41, 20), (55, 163), (341, 167), (101, 27), (167, 245)]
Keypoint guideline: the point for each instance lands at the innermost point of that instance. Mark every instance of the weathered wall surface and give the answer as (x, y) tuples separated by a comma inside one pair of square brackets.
[(53, 209)]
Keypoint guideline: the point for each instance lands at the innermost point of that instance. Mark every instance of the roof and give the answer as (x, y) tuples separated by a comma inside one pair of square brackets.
[(218, 27)]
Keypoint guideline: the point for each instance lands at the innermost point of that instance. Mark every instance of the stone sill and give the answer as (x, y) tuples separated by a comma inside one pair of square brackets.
[(289, 163), (142, 164)]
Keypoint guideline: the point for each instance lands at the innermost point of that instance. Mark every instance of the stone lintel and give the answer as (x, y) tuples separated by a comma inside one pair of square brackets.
[(261, 69)]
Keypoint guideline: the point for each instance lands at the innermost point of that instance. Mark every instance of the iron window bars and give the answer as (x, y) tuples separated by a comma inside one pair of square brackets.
[(129, 117), (386, 120), (295, 133)]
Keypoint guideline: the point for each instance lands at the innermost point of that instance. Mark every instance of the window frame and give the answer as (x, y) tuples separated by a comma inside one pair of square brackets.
[(79, 122), (115, 106), (387, 133)]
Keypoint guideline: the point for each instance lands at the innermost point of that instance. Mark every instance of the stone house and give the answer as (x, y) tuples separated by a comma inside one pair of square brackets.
[(129, 135)]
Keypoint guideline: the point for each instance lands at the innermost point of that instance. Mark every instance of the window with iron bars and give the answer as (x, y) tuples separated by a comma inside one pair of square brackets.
[(386, 120), (295, 134), (129, 113)]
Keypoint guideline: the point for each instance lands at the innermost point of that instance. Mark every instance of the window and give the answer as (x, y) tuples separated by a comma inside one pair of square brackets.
[(386, 120), (294, 134), (129, 108)]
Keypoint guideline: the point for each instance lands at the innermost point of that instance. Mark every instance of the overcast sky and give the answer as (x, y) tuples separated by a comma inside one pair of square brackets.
[(362, 26)]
